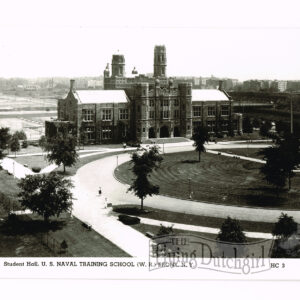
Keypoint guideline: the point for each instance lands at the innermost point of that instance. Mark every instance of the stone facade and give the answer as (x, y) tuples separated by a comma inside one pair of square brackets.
[(150, 107)]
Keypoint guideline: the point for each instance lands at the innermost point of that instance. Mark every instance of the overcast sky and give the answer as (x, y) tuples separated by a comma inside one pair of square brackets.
[(236, 39)]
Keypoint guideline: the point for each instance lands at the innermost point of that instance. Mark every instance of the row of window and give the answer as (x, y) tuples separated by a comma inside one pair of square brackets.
[(164, 102), (211, 111), (164, 114), (88, 114), (212, 125)]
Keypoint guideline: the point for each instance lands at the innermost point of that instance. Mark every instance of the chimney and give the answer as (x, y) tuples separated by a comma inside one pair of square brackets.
[(72, 83), (220, 85)]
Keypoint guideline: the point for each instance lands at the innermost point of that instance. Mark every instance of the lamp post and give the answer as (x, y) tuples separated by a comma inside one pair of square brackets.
[(14, 169), (117, 161), (190, 189), (291, 110)]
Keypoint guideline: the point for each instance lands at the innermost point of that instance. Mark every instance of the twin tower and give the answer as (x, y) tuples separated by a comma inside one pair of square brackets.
[(118, 64)]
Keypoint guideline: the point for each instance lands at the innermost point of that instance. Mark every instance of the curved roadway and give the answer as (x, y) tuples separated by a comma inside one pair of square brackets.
[(100, 173)]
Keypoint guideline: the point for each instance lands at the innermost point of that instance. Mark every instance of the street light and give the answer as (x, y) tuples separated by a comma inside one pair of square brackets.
[(190, 189), (117, 161)]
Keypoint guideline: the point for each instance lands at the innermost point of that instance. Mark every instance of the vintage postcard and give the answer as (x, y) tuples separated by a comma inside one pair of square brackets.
[(150, 140)]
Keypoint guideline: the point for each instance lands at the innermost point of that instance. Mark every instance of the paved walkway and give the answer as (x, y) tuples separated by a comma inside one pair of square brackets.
[(89, 207), (201, 229), (90, 178)]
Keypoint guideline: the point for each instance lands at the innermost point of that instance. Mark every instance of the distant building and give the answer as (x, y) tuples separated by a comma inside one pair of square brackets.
[(94, 84)]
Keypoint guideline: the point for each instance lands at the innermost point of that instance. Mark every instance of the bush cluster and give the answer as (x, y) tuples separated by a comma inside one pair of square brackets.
[(128, 220)]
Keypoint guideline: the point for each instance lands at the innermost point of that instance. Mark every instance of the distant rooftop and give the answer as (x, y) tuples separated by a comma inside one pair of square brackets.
[(101, 96), (209, 95)]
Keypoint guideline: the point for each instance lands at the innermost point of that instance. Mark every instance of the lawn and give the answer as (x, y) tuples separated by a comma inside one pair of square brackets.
[(33, 161), (216, 179), (183, 218), (249, 152), (8, 193)]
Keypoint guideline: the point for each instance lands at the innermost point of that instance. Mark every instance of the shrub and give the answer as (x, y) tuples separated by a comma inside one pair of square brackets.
[(284, 227), (36, 169), (231, 231), (128, 220), (164, 230), (24, 144)]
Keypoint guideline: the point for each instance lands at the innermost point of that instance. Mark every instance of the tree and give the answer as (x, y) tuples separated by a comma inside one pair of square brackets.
[(231, 231), (15, 144), (265, 128), (83, 138), (47, 195), (143, 164), (289, 149), (274, 170), (247, 125), (199, 137), (21, 135), (284, 227), (62, 150), (4, 139), (43, 143), (281, 160)]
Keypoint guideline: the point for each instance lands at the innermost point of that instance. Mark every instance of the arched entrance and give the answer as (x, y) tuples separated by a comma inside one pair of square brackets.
[(151, 133), (176, 131), (164, 132)]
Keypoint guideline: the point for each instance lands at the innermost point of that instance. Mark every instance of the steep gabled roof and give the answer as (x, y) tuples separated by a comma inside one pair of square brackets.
[(100, 96), (209, 95)]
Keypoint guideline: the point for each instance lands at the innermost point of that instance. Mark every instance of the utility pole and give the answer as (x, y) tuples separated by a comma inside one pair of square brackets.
[(292, 117)]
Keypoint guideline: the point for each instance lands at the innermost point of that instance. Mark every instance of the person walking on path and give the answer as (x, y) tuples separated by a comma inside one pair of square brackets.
[(100, 191)]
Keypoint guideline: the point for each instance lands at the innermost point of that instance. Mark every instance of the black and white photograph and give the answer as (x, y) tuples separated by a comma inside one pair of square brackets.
[(150, 139)]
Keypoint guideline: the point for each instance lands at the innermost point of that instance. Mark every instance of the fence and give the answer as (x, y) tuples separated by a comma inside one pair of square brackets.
[(56, 247)]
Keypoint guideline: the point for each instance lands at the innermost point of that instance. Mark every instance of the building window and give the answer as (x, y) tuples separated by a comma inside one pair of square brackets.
[(106, 133), (151, 114), (139, 108), (224, 125), (89, 129), (166, 102), (165, 114), (176, 102), (211, 125), (151, 102), (144, 129), (211, 111), (224, 110), (197, 111), (106, 115), (123, 114), (87, 115), (196, 125), (176, 113)]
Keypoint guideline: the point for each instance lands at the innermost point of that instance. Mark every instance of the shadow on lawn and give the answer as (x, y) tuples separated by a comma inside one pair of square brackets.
[(264, 197), (130, 210), (22, 225), (189, 161)]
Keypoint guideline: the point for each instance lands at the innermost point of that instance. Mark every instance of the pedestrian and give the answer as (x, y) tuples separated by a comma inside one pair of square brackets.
[(100, 191), (105, 202)]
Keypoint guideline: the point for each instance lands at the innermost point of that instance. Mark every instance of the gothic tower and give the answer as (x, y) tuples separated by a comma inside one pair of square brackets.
[(160, 61), (118, 66)]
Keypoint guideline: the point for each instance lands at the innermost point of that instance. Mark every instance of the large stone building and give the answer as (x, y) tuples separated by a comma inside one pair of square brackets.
[(140, 107)]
